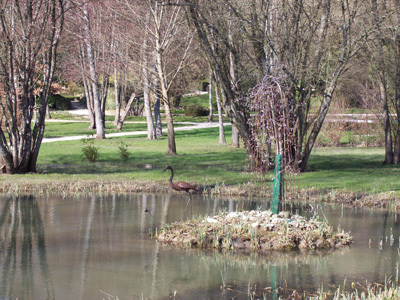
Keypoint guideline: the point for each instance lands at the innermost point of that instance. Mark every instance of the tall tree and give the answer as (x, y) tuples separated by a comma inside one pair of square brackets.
[(311, 41), (162, 46), (93, 78), (93, 28), (383, 82), (214, 29), (30, 33), (168, 32)]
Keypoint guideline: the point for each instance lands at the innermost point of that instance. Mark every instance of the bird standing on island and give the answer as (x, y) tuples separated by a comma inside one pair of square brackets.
[(180, 186)]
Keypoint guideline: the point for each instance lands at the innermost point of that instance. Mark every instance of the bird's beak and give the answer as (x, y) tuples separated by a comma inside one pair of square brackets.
[(165, 170)]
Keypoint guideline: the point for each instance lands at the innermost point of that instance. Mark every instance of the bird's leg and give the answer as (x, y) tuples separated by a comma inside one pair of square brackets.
[(151, 215), (191, 206)]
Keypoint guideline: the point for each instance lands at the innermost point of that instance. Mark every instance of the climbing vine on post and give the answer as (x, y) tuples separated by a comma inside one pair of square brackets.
[(271, 123)]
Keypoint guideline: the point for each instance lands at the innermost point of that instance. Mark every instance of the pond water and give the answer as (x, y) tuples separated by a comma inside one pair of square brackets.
[(99, 248)]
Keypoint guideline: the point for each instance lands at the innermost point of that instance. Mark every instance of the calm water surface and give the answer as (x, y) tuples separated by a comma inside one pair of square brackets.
[(99, 248)]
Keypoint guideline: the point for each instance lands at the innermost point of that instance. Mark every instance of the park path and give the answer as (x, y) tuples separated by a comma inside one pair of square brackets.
[(334, 118), (190, 126)]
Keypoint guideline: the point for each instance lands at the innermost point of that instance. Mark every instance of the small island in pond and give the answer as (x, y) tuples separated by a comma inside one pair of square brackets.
[(258, 231)]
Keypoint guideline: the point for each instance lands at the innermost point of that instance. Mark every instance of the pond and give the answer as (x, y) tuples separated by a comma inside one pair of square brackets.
[(100, 247)]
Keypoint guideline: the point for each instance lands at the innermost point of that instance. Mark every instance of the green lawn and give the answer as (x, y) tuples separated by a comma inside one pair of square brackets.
[(59, 129), (200, 160), (351, 169), (201, 100)]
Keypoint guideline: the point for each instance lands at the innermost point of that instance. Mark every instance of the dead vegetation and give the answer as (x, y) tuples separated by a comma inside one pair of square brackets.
[(259, 231), (59, 187)]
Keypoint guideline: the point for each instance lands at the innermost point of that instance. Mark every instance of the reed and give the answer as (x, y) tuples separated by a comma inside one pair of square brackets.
[(356, 291)]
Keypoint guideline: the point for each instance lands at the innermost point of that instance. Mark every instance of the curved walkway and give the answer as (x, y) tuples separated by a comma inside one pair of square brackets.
[(191, 126)]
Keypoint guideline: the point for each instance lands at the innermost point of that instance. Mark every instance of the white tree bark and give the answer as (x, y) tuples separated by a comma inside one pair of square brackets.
[(222, 139), (151, 134), (210, 87), (125, 112), (100, 133)]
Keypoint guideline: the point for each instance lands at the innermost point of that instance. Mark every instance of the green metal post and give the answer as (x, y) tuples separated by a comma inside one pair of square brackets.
[(274, 282), (277, 191)]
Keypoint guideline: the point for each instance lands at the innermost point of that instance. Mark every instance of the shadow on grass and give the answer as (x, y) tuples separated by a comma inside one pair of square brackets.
[(357, 169), (195, 156), (341, 161)]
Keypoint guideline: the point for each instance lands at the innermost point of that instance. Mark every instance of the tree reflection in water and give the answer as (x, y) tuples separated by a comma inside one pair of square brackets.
[(21, 238)]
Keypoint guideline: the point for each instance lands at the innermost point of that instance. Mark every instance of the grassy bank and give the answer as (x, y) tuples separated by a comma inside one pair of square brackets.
[(201, 161)]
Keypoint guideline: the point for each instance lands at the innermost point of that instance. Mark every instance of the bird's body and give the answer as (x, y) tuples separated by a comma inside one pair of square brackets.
[(181, 185)]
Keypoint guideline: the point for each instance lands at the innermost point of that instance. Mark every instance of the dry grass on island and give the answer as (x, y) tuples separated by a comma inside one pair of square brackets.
[(258, 231)]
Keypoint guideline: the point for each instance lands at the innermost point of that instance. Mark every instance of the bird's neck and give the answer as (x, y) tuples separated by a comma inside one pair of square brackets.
[(172, 176)]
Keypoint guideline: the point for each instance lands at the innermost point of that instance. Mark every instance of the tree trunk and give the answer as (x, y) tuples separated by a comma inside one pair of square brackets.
[(232, 107), (165, 98), (222, 140), (157, 114), (235, 138), (396, 158), (210, 104), (170, 130), (48, 114), (28, 56), (386, 121), (151, 135), (125, 113), (89, 104), (319, 121), (103, 96), (87, 87), (157, 104), (117, 92), (98, 114), (234, 83)]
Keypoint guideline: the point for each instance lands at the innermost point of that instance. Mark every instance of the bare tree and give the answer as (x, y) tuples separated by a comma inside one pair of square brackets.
[(215, 31), (272, 122), (312, 41), (164, 45), (146, 75), (93, 29), (93, 75), (383, 83), (127, 61), (30, 33), (151, 133), (168, 28)]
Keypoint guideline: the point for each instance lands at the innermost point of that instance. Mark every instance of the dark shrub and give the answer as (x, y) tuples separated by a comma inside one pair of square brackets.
[(59, 102), (196, 111)]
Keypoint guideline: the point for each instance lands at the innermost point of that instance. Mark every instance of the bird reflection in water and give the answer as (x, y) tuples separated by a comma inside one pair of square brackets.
[(21, 230)]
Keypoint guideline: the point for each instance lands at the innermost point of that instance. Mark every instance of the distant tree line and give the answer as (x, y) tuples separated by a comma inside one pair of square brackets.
[(262, 56)]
